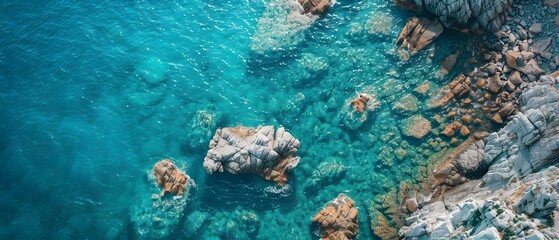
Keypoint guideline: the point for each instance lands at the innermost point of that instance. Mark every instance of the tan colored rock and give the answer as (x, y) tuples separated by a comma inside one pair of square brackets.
[(497, 119), (464, 131), (448, 130), (523, 62), (416, 126), (515, 78), (338, 219), (169, 177), (315, 7), (360, 102), (423, 88), (418, 34), (466, 118)]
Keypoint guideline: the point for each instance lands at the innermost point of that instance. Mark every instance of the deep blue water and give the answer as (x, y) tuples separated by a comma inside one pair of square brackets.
[(94, 93)]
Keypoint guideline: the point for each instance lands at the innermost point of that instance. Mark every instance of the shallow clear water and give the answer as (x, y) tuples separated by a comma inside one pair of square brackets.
[(94, 93)]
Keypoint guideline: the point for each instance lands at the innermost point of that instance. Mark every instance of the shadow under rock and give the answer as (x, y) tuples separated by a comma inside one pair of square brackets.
[(227, 191)]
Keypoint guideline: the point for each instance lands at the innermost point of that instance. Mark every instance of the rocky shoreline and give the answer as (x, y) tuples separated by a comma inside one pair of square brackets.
[(492, 186), (500, 115)]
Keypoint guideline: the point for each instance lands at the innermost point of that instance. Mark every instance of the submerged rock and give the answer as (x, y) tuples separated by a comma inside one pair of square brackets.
[(282, 23), (406, 105), (418, 33), (328, 172), (357, 110), (169, 177), (416, 126), (338, 220), (263, 151)]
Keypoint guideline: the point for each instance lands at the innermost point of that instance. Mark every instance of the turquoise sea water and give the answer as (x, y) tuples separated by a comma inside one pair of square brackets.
[(94, 93)]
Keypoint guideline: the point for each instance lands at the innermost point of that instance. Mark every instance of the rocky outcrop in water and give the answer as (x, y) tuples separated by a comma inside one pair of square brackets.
[(418, 34), (155, 216), (518, 196), (169, 177), (473, 15), (357, 111), (283, 22), (263, 151), (338, 220), (315, 7)]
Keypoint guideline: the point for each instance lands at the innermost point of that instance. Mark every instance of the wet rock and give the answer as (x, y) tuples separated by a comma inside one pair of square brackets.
[(338, 220), (447, 64), (466, 118), (497, 119), (448, 130), (356, 111), (423, 88), (315, 7), (416, 126), (282, 23), (380, 23), (169, 177), (327, 172), (359, 104), (263, 151), (418, 33), (155, 216), (464, 131), (406, 105)]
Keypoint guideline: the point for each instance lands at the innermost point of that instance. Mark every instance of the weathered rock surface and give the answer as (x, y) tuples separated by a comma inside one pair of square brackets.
[(169, 177), (418, 34), (473, 15), (338, 220), (518, 196), (315, 7), (263, 151), (523, 62)]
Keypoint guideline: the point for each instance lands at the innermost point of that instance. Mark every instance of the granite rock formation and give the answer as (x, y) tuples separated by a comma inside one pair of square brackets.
[(471, 15), (169, 177), (418, 34), (264, 151), (338, 220), (518, 195)]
